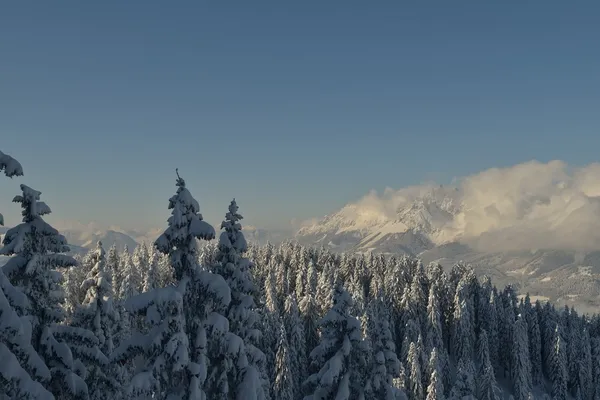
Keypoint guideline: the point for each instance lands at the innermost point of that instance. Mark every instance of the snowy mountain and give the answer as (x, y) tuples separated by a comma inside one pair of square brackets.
[(416, 224), (445, 225)]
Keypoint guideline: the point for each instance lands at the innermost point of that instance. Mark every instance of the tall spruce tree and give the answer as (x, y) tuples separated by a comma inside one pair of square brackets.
[(487, 387), (339, 362), (176, 347), (98, 315), (37, 249), (242, 312), (521, 372), (283, 384)]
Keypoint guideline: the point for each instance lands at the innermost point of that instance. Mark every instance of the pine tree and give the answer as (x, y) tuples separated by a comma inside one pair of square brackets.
[(464, 330), (283, 385), (521, 372), (596, 368), (310, 321), (113, 268), (487, 388), (414, 361), (340, 359), (385, 364), (297, 345), (152, 274), (130, 279), (242, 314), (584, 361), (558, 365), (464, 384), (98, 315), (180, 316), (435, 390), (535, 347), (141, 264), (22, 370), (37, 249), (434, 336)]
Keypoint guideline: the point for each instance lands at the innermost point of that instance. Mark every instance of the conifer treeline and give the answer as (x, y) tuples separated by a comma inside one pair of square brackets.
[(225, 320)]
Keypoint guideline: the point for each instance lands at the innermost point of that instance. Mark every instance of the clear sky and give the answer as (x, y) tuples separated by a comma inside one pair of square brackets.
[(295, 108)]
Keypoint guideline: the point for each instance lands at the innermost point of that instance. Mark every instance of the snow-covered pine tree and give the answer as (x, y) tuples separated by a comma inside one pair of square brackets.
[(152, 274), (310, 321), (37, 247), (487, 388), (175, 348), (113, 266), (98, 315), (283, 384), (416, 390), (435, 390), (385, 364), (339, 361), (128, 286), (596, 368), (141, 264), (464, 384), (297, 345), (464, 329), (584, 361), (21, 369), (411, 334), (521, 372), (434, 338), (535, 345), (558, 367), (242, 313)]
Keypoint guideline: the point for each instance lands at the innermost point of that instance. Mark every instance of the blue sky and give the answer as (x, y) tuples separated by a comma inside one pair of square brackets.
[(295, 108)]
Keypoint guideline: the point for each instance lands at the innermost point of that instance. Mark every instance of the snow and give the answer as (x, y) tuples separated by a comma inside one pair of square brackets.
[(10, 166)]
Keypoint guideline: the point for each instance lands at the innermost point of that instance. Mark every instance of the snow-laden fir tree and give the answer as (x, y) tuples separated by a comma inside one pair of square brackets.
[(297, 345), (435, 389), (21, 369), (283, 384), (464, 329), (242, 313), (152, 274), (464, 383), (434, 338), (129, 284), (37, 247), (558, 367), (141, 264), (596, 368), (113, 266), (535, 344), (98, 315), (521, 372), (175, 350), (385, 365), (415, 380), (584, 364), (339, 361), (487, 388), (310, 321)]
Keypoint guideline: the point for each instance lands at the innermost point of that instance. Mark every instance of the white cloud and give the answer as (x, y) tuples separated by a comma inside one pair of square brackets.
[(526, 206)]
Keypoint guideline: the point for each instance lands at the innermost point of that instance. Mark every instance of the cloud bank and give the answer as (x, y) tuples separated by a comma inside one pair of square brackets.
[(527, 206)]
